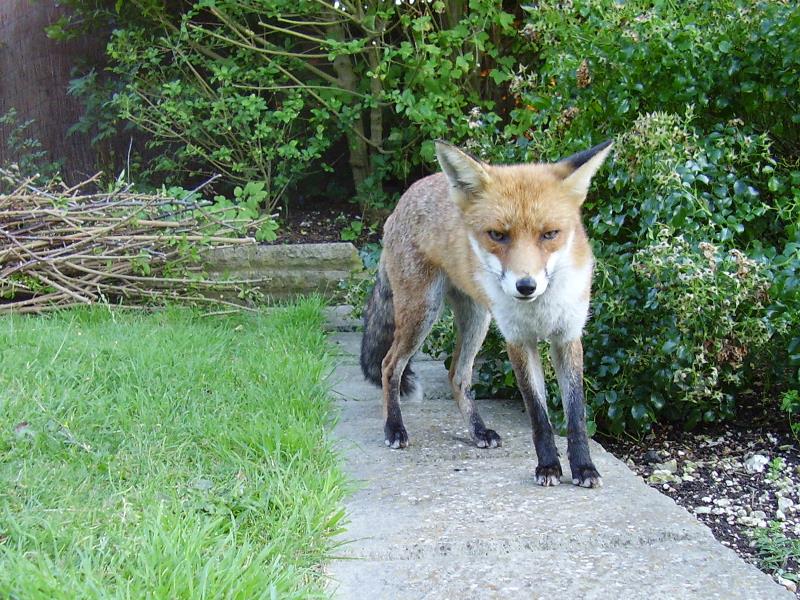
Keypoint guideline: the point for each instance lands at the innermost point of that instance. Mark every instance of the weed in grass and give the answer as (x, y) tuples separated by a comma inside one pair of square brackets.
[(776, 467), (775, 550), (165, 455)]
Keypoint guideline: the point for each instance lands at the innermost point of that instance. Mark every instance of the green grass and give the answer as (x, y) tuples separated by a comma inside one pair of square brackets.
[(167, 455)]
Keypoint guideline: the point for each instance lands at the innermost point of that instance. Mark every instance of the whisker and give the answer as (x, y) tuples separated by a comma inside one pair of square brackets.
[(488, 270)]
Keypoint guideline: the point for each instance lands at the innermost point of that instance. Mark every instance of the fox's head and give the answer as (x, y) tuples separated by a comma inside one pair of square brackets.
[(523, 219)]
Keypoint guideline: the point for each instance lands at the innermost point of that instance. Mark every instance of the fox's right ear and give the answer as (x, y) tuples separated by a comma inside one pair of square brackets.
[(464, 172)]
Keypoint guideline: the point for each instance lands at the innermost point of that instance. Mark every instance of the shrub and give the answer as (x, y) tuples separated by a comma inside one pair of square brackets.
[(219, 110), (26, 157), (259, 90), (679, 349), (716, 167), (674, 333), (707, 184), (790, 404), (392, 77), (603, 62)]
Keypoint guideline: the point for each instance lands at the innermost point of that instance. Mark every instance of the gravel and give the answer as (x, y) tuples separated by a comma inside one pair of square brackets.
[(320, 220), (735, 480)]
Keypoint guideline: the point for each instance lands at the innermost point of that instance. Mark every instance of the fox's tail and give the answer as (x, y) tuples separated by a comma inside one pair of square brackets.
[(379, 334)]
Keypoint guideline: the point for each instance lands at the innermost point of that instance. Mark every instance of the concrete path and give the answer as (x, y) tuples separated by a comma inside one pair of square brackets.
[(444, 519)]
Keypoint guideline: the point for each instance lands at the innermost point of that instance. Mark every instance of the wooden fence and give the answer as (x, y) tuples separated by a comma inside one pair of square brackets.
[(34, 74)]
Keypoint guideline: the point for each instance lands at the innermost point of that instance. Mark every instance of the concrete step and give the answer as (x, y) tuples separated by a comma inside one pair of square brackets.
[(444, 519)]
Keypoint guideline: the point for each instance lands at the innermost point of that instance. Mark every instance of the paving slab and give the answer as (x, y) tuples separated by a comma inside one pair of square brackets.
[(445, 519), (340, 318)]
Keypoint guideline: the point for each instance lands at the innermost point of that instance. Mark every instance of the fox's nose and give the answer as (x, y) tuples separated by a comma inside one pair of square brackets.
[(526, 286)]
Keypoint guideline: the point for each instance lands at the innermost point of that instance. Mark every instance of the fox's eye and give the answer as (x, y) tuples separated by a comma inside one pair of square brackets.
[(498, 236), (550, 235)]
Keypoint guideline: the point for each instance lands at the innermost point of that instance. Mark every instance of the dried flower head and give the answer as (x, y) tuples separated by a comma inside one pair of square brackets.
[(530, 33), (582, 74), (710, 253), (568, 116)]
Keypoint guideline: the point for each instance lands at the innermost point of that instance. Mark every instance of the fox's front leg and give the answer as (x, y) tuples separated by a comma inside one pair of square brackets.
[(530, 378), (568, 363), (472, 323)]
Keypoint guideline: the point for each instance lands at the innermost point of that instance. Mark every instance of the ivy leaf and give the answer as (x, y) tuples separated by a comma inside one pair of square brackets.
[(499, 76), (639, 412)]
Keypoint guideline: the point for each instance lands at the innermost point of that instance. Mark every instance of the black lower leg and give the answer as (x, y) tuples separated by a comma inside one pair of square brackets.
[(543, 439), (580, 461), (549, 468), (568, 363), (483, 436), (393, 429)]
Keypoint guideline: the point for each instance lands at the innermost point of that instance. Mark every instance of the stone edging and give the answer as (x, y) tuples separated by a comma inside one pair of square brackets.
[(288, 270)]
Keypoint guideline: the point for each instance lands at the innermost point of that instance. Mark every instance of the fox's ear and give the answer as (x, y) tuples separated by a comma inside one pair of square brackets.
[(581, 167), (465, 173)]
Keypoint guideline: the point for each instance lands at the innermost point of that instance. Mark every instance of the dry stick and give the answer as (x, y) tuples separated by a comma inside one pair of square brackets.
[(9, 251), (145, 293), (217, 313), (95, 235), (38, 299), (20, 246), (27, 184), (190, 238), (16, 308), (91, 179), (67, 291), (70, 282), (22, 185)]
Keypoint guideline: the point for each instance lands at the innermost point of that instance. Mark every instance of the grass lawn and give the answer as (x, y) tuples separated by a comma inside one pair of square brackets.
[(165, 455)]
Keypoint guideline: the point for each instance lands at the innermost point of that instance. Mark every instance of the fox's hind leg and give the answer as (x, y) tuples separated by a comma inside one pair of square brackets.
[(472, 322), (417, 303)]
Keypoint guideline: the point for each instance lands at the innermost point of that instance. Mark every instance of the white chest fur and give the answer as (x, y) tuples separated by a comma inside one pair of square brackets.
[(560, 312)]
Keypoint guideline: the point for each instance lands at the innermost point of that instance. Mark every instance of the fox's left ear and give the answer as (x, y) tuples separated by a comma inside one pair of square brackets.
[(579, 168)]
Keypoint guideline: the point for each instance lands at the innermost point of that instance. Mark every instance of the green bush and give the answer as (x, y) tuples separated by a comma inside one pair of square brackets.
[(25, 157), (204, 112), (674, 332), (705, 184), (681, 316), (261, 90), (604, 62)]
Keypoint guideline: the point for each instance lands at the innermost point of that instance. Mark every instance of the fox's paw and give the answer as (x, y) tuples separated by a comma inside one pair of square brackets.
[(548, 475), (396, 436), (587, 477), (486, 438)]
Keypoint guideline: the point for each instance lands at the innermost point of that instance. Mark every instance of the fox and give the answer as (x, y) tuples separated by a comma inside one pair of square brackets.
[(502, 242)]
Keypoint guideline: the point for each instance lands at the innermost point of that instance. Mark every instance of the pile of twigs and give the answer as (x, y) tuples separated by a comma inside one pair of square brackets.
[(73, 246)]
